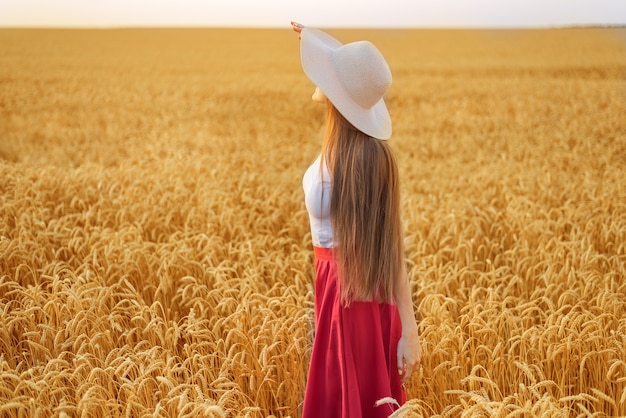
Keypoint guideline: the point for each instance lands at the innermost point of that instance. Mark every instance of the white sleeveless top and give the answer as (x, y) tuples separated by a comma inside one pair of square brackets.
[(317, 190)]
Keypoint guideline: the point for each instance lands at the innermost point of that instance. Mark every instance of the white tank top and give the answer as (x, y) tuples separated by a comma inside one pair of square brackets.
[(317, 191)]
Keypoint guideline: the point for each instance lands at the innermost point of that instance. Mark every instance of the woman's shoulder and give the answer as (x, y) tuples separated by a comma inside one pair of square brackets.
[(315, 175)]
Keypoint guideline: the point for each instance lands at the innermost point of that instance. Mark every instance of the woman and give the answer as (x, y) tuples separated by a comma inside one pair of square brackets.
[(366, 336)]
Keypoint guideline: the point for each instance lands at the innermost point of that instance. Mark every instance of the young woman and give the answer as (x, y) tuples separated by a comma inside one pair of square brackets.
[(366, 336)]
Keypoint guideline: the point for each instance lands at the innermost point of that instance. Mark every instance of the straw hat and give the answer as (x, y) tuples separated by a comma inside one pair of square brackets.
[(354, 77)]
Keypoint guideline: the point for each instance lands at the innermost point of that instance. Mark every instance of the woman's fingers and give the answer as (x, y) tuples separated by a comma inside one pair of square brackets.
[(409, 356), (400, 356)]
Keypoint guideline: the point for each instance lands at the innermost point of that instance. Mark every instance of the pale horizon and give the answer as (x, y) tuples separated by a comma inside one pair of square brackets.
[(320, 13)]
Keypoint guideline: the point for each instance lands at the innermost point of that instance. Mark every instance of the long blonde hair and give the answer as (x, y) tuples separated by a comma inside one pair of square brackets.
[(364, 211)]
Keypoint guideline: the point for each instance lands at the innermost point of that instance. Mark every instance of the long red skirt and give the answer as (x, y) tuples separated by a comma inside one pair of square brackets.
[(353, 362)]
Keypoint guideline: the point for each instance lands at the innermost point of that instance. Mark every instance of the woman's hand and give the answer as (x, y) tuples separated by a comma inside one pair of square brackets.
[(297, 27), (409, 354), (409, 347)]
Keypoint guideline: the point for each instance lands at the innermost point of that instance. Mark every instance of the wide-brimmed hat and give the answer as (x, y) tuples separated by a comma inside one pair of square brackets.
[(354, 77)]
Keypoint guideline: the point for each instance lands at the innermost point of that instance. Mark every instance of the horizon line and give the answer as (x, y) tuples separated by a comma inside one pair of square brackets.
[(325, 27)]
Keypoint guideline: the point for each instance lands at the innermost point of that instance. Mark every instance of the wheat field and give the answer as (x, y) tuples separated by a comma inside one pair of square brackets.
[(155, 255)]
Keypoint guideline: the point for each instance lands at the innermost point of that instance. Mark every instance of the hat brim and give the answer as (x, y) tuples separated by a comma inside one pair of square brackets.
[(316, 54)]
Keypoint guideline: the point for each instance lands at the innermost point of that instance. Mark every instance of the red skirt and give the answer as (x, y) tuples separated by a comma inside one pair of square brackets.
[(353, 362)]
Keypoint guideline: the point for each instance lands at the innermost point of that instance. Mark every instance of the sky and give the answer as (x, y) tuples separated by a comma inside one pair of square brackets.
[(320, 13)]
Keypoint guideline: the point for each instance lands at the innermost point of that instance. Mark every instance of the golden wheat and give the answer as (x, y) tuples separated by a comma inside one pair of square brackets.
[(155, 255)]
